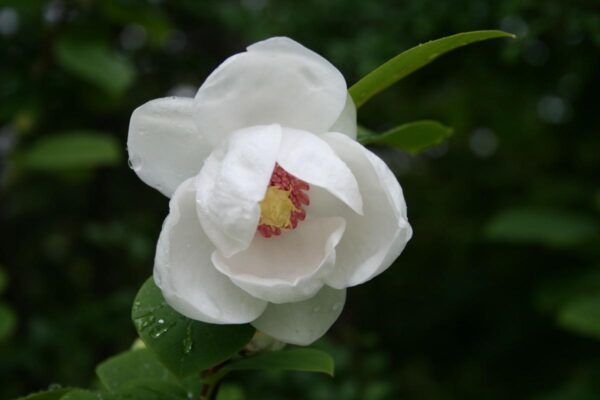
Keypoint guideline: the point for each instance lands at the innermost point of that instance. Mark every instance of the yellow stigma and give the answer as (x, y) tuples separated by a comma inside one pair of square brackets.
[(276, 208)]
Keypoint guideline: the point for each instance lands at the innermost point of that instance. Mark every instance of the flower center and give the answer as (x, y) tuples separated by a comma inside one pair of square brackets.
[(282, 207)]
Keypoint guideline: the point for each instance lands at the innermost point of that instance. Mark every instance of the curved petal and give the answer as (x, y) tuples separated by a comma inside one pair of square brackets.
[(185, 274), (372, 241), (304, 322), (231, 184), (346, 123), (275, 81), (165, 146), (310, 158), (286, 268)]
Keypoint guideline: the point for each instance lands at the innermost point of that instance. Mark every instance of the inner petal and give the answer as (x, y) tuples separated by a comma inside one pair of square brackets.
[(283, 205)]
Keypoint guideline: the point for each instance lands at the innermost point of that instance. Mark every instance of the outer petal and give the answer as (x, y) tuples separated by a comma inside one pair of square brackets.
[(286, 268), (231, 184), (372, 241), (275, 81), (304, 322), (185, 274), (165, 146), (310, 158), (346, 123)]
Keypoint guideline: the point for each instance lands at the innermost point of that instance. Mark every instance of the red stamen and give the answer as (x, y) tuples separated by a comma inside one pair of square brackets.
[(288, 182)]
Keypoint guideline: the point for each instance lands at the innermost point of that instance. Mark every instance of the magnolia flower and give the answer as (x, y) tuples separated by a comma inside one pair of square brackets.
[(275, 207)]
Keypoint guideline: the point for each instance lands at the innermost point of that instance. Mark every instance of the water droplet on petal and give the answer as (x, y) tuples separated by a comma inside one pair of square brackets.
[(317, 309), (135, 163)]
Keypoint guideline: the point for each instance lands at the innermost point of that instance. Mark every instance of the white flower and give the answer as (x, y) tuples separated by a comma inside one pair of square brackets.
[(275, 208)]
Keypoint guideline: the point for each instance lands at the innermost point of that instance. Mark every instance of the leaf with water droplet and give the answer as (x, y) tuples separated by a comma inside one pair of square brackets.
[(413, 59), (183, 345)]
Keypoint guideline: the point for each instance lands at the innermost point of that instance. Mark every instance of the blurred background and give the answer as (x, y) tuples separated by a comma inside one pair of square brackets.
[(497, 296)]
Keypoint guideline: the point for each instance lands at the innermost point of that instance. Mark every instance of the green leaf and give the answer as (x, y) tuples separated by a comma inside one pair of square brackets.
[(80, 394), (125, 369), (146, 389), (53, 394), (72, 150), (412, 137), (94, 62), (411, 60), (552, 295), (582, 315), (184, 346), (310, 360), (230, 392), (153, 20), (543, 226), (8, 322), (151, 390), (3, 280)]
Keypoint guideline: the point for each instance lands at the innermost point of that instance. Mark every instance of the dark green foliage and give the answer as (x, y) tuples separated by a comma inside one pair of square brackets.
[(465, 313)]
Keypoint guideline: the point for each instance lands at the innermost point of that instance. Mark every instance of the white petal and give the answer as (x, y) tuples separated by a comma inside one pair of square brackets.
[(185, 274), (231, 184), (304, 322), (164, 144), (372, 241), (310, 158), (289, 267), (346, 123), (276, 81)]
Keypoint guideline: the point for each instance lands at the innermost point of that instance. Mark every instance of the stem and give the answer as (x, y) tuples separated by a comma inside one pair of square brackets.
[(212, 382)]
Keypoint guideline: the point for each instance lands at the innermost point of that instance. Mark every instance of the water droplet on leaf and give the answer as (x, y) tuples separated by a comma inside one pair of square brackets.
[(188, 342)]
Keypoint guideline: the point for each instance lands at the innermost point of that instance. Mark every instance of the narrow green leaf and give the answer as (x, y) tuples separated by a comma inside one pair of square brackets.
[(184, 346), (125, 369), (8, 322), (94, 62), (582, 315), (310, 360), (412, 137), (72, 150), (411, 60), (543, 226), (53, 394)]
